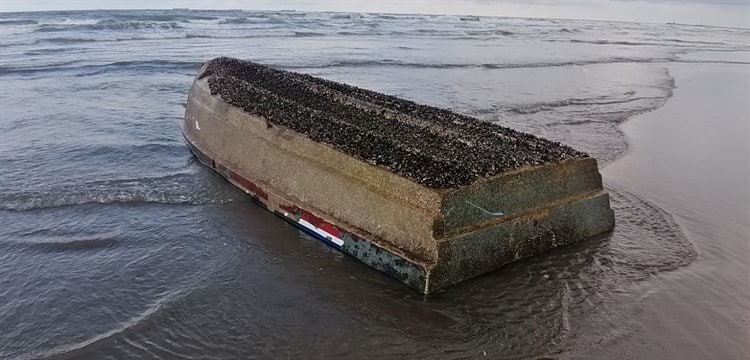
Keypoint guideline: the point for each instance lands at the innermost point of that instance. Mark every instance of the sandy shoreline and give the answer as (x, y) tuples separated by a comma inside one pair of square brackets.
[(691, 157), (116, 243)]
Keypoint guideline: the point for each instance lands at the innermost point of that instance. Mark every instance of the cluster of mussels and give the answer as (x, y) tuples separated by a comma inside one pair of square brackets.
[(433, 146)]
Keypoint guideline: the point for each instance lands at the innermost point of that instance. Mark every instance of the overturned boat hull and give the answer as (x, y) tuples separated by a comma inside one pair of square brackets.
[(426, 237)]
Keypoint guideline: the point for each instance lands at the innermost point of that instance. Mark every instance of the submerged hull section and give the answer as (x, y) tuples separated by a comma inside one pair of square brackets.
[(426, 237)]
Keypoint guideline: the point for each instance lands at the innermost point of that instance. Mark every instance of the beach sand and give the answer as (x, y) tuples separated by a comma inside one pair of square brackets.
[(116, 243), (692, 158)]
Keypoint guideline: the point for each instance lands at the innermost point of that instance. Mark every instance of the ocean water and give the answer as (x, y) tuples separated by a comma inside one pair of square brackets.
[(116, 243)]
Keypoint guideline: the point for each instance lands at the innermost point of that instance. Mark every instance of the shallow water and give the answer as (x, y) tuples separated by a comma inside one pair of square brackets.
[(693, 158), (116, 243)]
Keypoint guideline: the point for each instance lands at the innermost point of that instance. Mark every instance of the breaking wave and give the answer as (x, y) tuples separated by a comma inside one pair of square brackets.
[(308, 33), (41, 52), (239, 20), (37, 201), (61, 241), (490, 32), (63, 40), (111, 25), (18, 22), (642, 43), (141, 65), (179, 189), (602, 100), (399, 63)]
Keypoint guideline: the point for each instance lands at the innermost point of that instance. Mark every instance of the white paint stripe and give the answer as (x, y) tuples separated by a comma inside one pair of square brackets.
[(321, 232)]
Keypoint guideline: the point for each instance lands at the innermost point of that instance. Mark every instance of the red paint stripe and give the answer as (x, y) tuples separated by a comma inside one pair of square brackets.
[(330, 229), (223, 170), (248, 185), (312, 219), (291, 209), (321, 224)]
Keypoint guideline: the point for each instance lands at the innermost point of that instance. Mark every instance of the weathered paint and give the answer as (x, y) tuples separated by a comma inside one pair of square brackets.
[(425, 237), (335, 237)]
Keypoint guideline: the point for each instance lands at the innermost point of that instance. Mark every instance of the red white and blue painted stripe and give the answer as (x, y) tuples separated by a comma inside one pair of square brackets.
[(305, 220), (314, 225)]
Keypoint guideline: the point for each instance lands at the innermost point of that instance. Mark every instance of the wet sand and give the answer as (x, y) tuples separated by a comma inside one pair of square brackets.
[(692, 158), (117, 244)]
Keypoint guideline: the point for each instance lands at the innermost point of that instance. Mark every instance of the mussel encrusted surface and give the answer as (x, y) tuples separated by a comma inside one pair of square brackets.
[(432, 146)]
